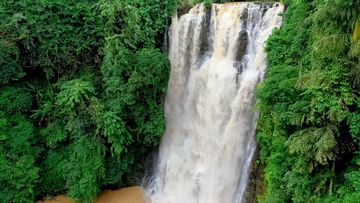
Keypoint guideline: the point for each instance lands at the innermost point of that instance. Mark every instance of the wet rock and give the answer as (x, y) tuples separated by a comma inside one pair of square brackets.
[(242, 45), (256, 180)]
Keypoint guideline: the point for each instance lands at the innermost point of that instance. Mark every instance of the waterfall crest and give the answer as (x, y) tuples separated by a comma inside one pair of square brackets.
[(217, 58)]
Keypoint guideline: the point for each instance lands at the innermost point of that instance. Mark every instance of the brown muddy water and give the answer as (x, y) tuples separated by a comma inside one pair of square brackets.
[(124, 195)]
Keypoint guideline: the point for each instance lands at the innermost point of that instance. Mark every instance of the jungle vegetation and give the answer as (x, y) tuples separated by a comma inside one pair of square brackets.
[(309, 128), (82, 87), (81, 94)]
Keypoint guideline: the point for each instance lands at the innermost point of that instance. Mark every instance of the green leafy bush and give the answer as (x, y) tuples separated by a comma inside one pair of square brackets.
[(18, 172)]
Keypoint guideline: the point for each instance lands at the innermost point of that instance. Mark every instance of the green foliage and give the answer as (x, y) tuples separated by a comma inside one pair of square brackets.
[(308, 128), (315, 143), (85, 168), (82, 85), (53, 36), (116, 133), (74, 93), (18, 172), (349, 192), (354, 122), (14, 99), (53, 172), (135, 80), (18, 175), (9, 62)]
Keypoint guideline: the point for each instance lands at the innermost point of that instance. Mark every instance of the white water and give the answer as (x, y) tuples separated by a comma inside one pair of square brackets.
[(216, 61)]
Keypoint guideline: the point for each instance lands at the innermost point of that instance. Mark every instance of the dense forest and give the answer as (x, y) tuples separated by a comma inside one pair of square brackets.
[(82, 87), (82, 90), (309, 128)]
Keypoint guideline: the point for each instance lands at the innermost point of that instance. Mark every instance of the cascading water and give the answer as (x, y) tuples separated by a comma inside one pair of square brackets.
[(217, 58)]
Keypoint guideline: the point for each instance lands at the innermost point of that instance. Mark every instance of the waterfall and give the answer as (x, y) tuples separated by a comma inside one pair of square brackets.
[(217, 58)]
